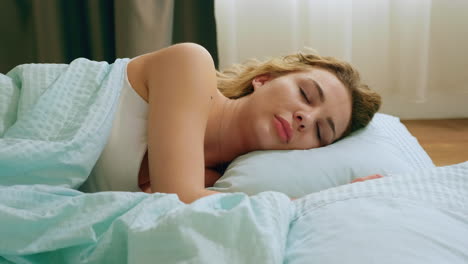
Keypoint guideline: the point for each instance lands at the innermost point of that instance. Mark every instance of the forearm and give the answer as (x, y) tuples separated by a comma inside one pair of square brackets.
[(195, 195), (185, 197)]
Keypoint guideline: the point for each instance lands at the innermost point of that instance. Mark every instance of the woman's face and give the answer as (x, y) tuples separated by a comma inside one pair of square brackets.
[(300, 110)]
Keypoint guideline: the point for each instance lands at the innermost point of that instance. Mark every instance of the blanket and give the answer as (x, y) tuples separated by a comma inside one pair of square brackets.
[(55, 120), (44, 224), (418, 217)]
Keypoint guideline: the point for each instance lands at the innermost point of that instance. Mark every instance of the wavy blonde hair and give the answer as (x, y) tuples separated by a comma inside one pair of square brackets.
[(236, 81)]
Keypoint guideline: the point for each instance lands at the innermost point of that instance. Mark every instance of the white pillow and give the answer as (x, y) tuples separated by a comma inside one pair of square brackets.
[(385, 146)]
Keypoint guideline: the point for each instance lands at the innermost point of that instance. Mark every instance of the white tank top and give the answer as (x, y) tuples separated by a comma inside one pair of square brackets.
[(119, 164)]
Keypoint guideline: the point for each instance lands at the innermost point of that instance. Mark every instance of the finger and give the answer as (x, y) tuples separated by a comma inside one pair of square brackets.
[(371, 177), (357, 180)]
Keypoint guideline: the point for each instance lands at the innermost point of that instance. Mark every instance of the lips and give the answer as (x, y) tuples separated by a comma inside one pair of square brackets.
[(284, 128)]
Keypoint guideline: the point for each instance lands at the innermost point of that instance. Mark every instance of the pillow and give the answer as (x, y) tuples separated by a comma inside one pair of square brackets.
[(385, 146)]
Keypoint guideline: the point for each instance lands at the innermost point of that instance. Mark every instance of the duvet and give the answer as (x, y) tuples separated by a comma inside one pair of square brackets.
[(421, 217)]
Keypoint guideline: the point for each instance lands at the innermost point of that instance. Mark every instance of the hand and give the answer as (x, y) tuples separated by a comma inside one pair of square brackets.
[(371, 177), (145, 187)]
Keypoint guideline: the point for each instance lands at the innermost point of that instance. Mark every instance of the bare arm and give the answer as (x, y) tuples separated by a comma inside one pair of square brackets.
[(180, 82)]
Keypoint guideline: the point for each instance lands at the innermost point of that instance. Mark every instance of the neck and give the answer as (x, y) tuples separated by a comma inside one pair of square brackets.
[(224, 139)]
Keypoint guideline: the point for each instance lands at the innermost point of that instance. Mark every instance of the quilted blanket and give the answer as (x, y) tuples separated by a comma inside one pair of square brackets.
[(419, 217), (55, 119)]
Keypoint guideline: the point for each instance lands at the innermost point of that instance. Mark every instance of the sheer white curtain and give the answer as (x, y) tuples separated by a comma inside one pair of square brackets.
[(413, 52)]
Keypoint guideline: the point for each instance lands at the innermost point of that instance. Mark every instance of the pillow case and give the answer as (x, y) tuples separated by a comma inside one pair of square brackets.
[(385, 146)]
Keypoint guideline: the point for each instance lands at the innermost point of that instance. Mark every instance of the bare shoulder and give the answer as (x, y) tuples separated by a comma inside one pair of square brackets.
[(156, 68)]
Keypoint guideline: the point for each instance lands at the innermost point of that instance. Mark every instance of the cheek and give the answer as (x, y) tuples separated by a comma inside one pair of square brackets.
[(262, 135), (305, 142), (282, 91)]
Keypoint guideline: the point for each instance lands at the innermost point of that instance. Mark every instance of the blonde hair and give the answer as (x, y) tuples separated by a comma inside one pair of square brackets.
[(236, 81)]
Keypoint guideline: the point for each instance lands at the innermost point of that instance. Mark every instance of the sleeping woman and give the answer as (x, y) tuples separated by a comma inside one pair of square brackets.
[(180, 122)]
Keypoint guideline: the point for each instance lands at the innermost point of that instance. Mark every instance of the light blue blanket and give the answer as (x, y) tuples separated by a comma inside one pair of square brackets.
[(54, 120), (44, 224), (420, 217)]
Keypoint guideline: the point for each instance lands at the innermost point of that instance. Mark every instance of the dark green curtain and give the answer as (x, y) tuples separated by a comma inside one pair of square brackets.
[(88, 30), (59, 31), (55, 31), (194, 21)]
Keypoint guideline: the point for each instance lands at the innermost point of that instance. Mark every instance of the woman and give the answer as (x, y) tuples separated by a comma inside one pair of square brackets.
[(197, 120)]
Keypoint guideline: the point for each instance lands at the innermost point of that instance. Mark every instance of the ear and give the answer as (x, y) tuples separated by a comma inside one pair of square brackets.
[(260, 80)]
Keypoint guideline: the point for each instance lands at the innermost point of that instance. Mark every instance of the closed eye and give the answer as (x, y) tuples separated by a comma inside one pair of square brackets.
[(318, 133), (304, 95)]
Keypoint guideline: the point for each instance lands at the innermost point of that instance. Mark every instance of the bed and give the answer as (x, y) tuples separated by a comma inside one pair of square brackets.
[(54, 123)]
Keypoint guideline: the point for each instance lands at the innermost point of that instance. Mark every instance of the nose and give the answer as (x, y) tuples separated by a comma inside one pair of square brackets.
[(303, 119)]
